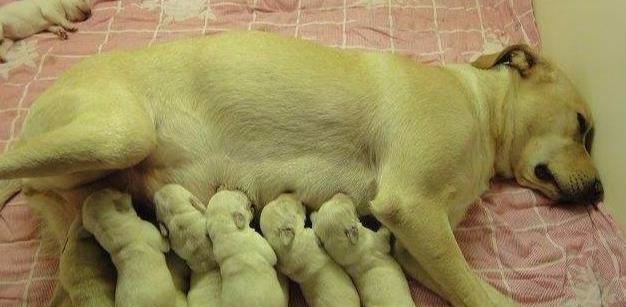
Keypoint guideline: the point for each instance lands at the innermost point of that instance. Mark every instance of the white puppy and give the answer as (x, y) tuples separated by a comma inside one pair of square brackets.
[(181, 218), (246, 260), (364, 254), (300, 257), (21, 19), (136, 248)]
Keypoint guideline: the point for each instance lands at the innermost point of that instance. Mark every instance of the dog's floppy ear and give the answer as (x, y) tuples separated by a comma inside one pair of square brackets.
[(286, 234), (521, 57), (352, 233), (240, 220)]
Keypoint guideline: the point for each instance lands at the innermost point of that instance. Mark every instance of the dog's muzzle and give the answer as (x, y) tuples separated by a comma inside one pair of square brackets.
[(591, 193)]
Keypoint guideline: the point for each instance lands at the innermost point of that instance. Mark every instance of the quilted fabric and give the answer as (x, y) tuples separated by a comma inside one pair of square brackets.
[(539, 254)]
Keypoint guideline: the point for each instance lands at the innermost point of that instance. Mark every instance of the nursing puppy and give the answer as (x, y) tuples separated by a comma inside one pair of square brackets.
[(21, 19), (300, 257), (412, 144), (136, 248), (364, 254), (245, 259), (181, 218)]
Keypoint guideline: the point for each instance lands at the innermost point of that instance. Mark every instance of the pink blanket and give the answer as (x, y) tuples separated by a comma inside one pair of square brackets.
[(538, 254)]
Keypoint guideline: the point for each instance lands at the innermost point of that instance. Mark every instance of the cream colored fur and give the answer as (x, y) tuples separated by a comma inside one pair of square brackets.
[(86, 272), (300, 257), (245, 259), (136, 248), (182, 218), (363, 253), (264, 114), (180, 276), (21, 19)]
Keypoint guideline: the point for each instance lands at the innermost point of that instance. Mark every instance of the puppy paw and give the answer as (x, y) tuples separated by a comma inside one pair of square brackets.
[(58, 31), (71, 28)]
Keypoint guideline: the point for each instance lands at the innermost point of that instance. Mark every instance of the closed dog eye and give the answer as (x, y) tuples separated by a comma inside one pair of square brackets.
[(582, 124)]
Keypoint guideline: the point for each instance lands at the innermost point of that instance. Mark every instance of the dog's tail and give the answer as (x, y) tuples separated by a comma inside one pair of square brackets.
[(8, 189)]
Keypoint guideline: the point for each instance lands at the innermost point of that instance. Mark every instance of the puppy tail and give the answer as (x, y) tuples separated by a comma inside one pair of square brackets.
[(8, 189)]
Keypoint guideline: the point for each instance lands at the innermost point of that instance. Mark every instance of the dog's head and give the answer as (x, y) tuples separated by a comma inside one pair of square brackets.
[(77, 10), (546, 130)]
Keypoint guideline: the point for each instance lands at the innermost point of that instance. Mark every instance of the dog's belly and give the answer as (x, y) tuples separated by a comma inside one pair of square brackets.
[(314, 178)]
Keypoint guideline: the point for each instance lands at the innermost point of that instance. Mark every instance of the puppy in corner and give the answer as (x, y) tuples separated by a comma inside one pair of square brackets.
[(300, 256), (363, 253), (21, 19), (245, 259)]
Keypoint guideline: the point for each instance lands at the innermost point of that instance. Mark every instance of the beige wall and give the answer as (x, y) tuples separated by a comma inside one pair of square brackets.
[(587, 39)]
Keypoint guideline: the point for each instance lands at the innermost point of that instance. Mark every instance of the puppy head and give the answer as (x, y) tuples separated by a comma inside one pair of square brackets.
[(229, 210), (282, 219), (337, 225), (181, 220), (173, 200), (108, 205), (548, 131), (77, 10)]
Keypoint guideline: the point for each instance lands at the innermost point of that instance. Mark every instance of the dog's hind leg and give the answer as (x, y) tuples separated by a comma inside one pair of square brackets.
[(85, 269), (109, 142), (8, 189), (5, 45)]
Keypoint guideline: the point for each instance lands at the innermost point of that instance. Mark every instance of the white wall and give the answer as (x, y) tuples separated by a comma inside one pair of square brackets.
[(587, 39)]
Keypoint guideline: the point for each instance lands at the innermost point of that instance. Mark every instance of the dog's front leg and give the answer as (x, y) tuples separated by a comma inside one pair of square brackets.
[(423, 228), (56, 18)]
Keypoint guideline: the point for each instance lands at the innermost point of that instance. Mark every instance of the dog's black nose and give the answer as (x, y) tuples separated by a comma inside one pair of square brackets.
[(595, 192), (542, 172)]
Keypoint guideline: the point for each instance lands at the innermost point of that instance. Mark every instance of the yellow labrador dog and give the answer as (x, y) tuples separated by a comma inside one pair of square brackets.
[(264, 114)]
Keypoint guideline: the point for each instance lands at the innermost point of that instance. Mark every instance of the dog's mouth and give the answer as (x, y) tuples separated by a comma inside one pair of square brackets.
[(544, 181)]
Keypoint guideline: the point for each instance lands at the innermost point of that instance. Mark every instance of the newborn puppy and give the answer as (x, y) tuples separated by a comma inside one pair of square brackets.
[(300, 257), (136, 248), (246, 260), (181, 218), (21, 19), (86, 272), (364, 254)]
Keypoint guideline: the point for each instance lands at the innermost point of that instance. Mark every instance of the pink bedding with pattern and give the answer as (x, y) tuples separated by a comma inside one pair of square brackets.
[(539, 254)]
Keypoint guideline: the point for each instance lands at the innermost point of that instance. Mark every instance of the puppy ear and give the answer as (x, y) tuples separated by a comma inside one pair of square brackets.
[(164, 231), (521, 57), (240, 220), (197, 204), (286, 234), (165, 245), (352, 233)]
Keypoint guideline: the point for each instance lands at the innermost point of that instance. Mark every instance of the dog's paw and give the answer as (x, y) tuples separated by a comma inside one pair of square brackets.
[(71, 27), (60, 32)]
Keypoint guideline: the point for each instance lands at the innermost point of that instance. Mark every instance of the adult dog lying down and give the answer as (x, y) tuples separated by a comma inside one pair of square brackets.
[(264, 114)]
